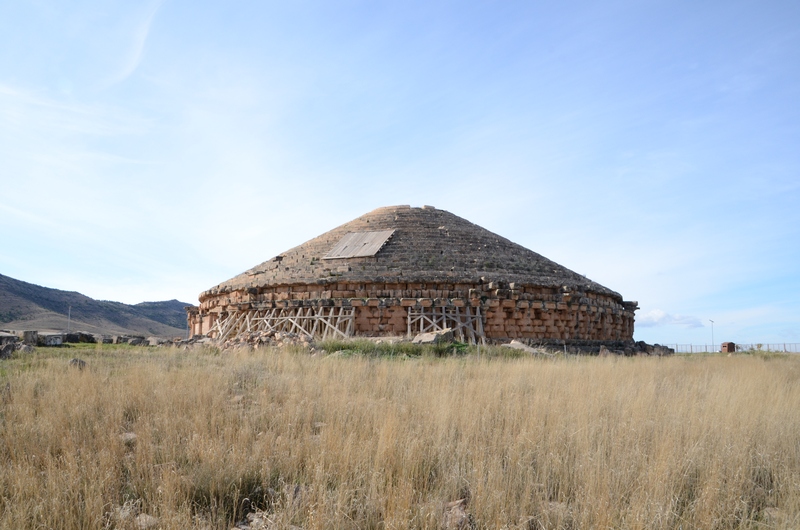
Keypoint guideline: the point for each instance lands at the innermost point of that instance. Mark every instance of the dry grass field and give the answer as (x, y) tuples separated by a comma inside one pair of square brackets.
[(336, 441)]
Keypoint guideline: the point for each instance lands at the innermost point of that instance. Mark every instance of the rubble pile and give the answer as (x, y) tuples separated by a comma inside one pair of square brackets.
[(637, 348), (584, 347), (256, 339), (8, 345)]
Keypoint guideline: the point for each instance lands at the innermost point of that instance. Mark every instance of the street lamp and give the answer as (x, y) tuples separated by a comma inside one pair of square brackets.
[(712, 332)]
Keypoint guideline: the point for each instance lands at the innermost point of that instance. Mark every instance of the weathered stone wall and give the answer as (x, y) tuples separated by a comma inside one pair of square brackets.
[(509, 310), (433, 259)]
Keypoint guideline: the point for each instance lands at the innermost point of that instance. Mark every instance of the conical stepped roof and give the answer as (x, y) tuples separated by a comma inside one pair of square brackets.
[(416, 245)]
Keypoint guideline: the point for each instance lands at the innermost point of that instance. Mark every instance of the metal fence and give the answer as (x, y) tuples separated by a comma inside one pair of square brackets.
[(784, 347)]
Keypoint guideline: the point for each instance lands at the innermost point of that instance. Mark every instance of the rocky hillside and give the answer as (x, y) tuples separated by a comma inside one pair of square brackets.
[(25, 306)]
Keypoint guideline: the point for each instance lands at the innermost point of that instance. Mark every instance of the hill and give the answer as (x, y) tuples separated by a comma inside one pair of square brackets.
[(26, 306)]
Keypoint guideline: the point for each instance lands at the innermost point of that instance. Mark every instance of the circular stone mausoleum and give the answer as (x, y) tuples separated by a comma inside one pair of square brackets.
[(399, 271)]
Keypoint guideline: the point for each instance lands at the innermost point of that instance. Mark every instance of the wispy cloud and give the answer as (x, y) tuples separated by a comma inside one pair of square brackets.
[(25, 111), (136, 50), (657, 317)]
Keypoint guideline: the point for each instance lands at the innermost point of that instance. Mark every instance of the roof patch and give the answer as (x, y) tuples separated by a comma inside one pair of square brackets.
[(359, 244)]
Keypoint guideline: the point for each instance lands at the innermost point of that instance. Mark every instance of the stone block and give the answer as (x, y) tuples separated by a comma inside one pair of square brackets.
[(434, 337), (31, 338)]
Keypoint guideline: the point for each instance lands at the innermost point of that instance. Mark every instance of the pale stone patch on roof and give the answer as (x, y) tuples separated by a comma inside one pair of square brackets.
[(359, 244)]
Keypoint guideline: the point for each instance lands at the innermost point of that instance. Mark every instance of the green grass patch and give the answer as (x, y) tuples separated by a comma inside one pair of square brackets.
[(370, 348)]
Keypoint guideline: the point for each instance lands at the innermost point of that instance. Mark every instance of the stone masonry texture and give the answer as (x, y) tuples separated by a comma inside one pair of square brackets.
[(433, 259)]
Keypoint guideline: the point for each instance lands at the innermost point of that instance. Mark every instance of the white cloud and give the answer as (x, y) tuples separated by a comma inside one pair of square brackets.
[(657, 317), (136, 49), (28, 115)]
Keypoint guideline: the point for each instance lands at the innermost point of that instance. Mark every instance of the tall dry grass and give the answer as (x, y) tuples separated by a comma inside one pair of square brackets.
[(331, 442)]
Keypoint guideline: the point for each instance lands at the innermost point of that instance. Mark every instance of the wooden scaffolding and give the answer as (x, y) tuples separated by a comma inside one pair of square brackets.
[(313, 322), (339, 322), (466, 322)]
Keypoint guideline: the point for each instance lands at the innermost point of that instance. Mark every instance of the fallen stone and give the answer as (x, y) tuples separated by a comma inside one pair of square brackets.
[(517, 345), (87, 338), (126, 512), (30, 337), (6, 350), (7, 337), (50, 339), (434, 337), (128, 438), (662, 350), (145, 521), (259, 520), (456, 516), (605, 352), (77, 363)]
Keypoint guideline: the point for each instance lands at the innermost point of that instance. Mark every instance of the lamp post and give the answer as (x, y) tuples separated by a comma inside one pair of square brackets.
[(712, 332)]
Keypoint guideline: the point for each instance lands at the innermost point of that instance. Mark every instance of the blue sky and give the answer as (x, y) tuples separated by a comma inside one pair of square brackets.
[(150, 150)]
